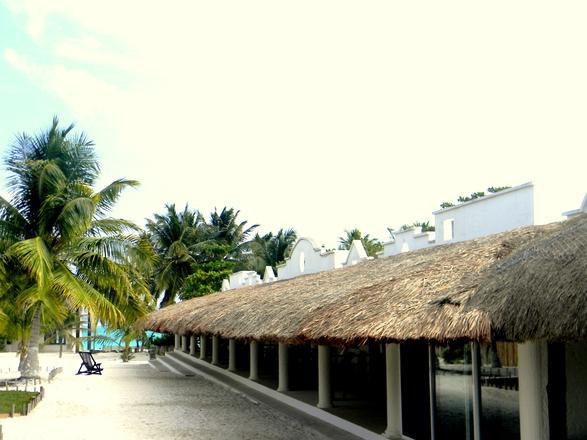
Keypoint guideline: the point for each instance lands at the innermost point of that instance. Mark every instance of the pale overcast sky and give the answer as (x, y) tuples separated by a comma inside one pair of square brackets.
[(318, 115)]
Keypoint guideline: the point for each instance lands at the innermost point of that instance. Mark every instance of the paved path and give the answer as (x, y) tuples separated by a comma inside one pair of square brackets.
[(133, 401)]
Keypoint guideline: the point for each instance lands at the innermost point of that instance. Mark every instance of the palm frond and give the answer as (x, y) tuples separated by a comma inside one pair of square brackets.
[(34, 255), (80, 294), (107, 197)]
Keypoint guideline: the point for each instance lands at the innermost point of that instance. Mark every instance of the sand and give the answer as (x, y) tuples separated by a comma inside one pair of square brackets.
[(134, 401)]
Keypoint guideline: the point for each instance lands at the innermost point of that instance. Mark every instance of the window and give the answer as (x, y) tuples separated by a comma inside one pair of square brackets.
[(448, 229)]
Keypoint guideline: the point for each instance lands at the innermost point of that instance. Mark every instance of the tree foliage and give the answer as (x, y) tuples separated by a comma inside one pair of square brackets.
[(372, 245), (271, 249), (474, 195), (195, 254)]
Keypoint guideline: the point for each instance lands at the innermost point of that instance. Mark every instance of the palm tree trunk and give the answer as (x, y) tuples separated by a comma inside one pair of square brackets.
[(60, 344), (22, 349), (30, 364)]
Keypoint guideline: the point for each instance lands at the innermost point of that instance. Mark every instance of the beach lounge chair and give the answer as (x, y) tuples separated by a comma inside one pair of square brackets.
[(90, 364)]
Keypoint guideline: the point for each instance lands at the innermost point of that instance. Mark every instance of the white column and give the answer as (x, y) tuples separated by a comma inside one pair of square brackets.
[(476, 377), (177, 342), (231, 355), (192, 345), (531, 391), (282, 368), (203, 347), (324, 400), (184, 343), (394, 391), (214, 350), (254, 361)]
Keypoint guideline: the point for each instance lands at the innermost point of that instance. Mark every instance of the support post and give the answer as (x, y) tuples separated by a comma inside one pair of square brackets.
[(283, 382), (214, 350), (176, 347), (254, 361), (324, 395), (394, 391), (184, 344), (476, 370), (192, 345), (203, 347), (531, 391), (231, 355)]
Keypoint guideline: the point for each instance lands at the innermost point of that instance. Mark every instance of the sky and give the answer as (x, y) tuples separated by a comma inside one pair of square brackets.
[(317, 115)]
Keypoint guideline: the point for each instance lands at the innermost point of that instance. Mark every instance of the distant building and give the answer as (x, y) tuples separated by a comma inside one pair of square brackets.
[(241, 279), (493, 213), (580, 210)]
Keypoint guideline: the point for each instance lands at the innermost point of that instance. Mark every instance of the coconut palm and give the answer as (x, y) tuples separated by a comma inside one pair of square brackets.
[(271, 250), (349, 236), (173, 233), (372, 245), (56, 235), (224, 227)]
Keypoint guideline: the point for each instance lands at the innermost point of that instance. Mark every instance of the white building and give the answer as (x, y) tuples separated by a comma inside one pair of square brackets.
[(408, 240), (580, 210), (241, 279), (305, 258), (493, 213)]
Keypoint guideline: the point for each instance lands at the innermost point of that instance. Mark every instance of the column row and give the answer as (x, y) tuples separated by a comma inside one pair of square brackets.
[(393, 373)]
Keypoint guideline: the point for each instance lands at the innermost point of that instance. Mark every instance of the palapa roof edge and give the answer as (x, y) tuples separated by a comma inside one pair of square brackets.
[(419, 295), (539, 292)]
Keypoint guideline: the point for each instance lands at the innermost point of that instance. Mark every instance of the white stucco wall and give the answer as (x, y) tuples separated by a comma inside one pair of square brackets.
[(356, 253), (582, 209), (243, 278), (307, 258), (487, 215), (408, 240), (269, 275)]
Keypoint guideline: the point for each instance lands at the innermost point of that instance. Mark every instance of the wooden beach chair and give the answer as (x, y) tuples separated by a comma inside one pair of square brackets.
[(89, 363)]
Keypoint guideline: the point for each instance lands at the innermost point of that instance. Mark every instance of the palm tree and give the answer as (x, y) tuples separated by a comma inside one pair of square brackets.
[(271, 250), (55, 231), (224, 227), (346, 241), (372, 245), (173, 234)]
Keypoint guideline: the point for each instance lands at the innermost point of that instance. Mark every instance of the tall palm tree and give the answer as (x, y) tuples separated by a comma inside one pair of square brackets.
[(173, 234), (224, 227), (56, 231), (271, 250)]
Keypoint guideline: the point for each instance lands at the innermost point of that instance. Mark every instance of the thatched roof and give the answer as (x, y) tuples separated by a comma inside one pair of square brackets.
[(414, 295), (540, 290)]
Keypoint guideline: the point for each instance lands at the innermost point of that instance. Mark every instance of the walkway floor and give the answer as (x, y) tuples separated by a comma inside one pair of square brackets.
[(134, 401)]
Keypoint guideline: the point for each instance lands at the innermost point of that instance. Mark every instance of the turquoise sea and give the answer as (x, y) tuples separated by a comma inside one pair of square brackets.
[(113, 341)]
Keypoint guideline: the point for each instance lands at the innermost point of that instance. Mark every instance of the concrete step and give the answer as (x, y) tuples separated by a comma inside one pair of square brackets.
[(175, 366), (185, 359), (158, 365)]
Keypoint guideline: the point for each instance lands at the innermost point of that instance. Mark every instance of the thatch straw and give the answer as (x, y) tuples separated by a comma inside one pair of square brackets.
[(540, 290), (415, 295)]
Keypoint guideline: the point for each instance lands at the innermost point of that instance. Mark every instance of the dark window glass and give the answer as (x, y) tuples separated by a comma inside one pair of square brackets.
[(454, 413), (499, 391)]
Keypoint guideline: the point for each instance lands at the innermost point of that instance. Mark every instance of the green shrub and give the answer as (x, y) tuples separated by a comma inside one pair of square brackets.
[(165, 340)]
